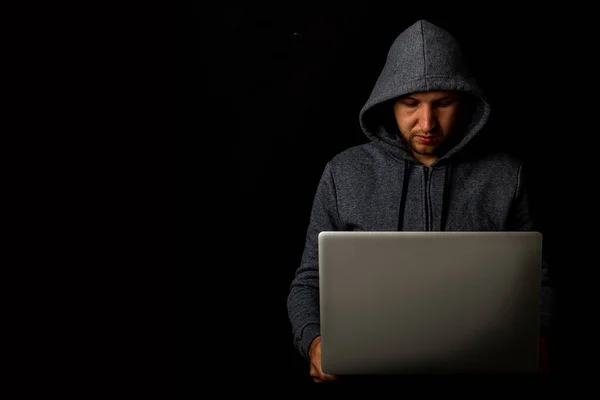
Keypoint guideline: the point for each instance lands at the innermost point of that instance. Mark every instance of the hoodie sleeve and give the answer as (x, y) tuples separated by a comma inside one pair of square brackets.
[(522, 219), (303, 298)]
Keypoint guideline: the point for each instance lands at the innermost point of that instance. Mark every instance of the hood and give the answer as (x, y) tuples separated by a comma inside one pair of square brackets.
[(423, 57)]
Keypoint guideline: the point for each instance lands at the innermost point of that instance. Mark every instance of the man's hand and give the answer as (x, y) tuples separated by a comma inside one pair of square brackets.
[(544, 367), (314, 353)]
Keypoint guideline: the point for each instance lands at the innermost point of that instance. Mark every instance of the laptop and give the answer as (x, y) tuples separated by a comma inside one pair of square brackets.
[(429, 302)]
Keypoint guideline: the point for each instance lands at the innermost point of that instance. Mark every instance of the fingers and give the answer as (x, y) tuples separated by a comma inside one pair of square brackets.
[(315, 364), (325, 378), (320, 376), (328, 378)]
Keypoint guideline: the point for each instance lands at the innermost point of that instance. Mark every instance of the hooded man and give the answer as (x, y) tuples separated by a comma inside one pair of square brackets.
[(419, 171)]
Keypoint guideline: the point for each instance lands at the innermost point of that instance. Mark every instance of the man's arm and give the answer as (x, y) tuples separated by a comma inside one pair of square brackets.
[(303, 298)]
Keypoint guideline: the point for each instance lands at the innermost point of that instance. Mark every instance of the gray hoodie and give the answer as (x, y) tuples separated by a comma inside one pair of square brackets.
[(380, 186)]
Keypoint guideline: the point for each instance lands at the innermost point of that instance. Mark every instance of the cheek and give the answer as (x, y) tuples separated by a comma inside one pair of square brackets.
[(405, 122), (447, 122), (406, 128)]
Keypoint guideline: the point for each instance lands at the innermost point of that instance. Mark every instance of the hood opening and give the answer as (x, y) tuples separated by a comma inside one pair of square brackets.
[(424, 57), (379, 125)]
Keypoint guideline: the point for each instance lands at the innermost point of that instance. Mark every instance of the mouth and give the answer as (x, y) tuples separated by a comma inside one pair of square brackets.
[(426, 139)]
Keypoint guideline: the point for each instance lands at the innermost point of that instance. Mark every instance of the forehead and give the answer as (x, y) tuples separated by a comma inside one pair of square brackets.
[(431, 96)]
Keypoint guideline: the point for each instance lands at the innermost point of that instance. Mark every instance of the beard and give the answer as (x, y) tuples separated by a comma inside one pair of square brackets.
[(434, 149)]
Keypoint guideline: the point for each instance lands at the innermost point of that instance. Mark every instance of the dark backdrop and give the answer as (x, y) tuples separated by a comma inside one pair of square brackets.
[(271, 93)]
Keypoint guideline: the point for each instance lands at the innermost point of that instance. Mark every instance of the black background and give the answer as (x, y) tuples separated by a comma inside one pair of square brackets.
[(165, 158), (270, 93)]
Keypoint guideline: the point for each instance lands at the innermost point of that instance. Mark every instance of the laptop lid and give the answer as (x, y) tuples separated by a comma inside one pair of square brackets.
[(429, 302)]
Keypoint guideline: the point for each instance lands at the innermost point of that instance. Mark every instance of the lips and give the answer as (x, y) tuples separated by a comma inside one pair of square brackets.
[(426, 139)]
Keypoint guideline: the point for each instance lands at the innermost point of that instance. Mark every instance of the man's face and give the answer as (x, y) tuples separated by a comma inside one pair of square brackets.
[(425, 120)]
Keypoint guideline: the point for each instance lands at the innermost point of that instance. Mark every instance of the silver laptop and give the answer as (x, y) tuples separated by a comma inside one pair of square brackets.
[(429, 302)]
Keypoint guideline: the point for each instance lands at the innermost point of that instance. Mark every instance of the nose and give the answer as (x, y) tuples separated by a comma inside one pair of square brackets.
[(427, 118)]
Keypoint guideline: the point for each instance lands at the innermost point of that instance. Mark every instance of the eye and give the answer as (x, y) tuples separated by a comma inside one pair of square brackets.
[(410, 103), (445, 103)]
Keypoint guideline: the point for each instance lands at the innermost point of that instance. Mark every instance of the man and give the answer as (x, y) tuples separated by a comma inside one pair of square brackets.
[(420, 171)]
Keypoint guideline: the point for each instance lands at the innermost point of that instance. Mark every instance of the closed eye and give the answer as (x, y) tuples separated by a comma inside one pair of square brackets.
[(410, 103), (445, 102)]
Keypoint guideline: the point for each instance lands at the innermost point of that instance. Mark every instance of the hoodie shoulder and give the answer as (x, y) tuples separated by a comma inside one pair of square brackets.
[(501, 158), (360, 156)]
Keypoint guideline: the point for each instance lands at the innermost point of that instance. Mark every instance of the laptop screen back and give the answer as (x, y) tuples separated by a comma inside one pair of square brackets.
[(427, 302)]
